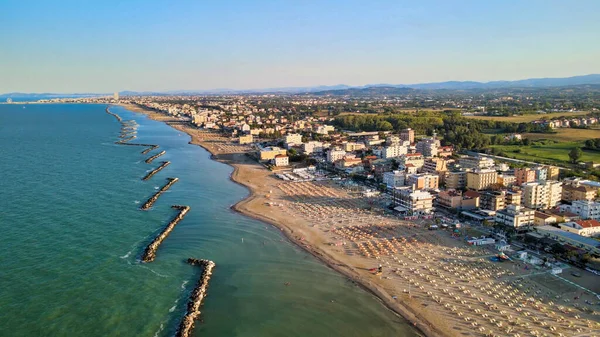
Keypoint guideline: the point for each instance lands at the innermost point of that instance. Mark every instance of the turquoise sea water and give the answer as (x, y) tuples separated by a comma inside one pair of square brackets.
[(72, 235)]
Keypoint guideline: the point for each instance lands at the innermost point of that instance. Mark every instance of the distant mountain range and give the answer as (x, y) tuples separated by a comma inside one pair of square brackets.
[(593, 79)]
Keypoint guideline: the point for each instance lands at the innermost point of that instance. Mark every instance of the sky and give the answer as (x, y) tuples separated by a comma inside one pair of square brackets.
[(146, 45)]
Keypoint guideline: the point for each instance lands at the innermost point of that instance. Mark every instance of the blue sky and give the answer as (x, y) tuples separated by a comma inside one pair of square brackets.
[(105, 46)]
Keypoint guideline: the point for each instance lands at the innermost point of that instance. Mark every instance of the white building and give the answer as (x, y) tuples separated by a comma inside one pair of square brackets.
[(546, 194), (476, 162), (335, 154), (312, 147), (324, 129), (411, 202), (394, 151), (292, 139), (515, 216), (586, 209), (587, 228), (428, 146), (394, 179), (281, 160)]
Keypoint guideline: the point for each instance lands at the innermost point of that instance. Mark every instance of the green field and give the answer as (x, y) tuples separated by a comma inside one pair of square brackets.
[(530, 117), (548, 152)]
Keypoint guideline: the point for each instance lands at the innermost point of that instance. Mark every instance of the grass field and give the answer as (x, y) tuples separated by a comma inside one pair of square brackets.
[(566, 135), (528, 118), (557, 153)]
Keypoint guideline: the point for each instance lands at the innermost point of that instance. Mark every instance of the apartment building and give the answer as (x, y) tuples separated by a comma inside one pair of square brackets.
[(524, 175), (515, 216), (542, 195), (394, 179), (476, 163), (481, 179), (423, 181), (578, 192), (492, 200), (335, 154), (412, 202), (456, 180), (408, 135), (394, 151)]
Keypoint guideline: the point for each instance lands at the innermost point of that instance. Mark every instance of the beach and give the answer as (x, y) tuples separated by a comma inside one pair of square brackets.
[(432, 279)]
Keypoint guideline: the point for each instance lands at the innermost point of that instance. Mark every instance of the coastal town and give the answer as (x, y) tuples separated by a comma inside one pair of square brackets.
[(460, 242)]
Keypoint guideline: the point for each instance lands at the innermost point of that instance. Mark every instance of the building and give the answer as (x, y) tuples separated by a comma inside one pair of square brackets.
[(589, 228), (543, 219), (411, 202), (347, 162), (281, 160), (541, 173), (456, 180), (292, 139), (546, 194), (476, 163), (572, 239), (115, 96), (435, 165), (408, 135), (416, 159), (392, 140), (586, 209), (269, 153), (492, 201), (553, 172), (578, 192), (247, 139), (524, 175), (394, 151), (335, 154), (312, 147), (423, 181), (515, 216), (428, 146), (481, 179), (506, 180), (351, 146), (394, 179), (453, 199), (324, 129), (512, 198)]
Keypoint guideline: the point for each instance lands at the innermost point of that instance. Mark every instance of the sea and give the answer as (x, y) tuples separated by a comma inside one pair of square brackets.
[(72, 235)]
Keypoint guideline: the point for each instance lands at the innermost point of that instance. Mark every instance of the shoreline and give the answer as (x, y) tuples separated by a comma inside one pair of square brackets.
[(417, 323)]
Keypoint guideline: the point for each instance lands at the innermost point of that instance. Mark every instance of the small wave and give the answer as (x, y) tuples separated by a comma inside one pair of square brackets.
[(155, 272), (162, 326), (136, 202), (183, 284), (156, 187), (127, 255), (172, 308)]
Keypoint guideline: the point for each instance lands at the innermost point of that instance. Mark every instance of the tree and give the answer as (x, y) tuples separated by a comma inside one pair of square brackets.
[(575, 155)]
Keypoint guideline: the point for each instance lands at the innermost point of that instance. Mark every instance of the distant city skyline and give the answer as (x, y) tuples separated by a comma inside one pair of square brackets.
[(70, 47)]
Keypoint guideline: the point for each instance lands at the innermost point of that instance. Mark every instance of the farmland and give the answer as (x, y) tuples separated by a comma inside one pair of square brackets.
[(528, 118), (546, 151), (566, 135)]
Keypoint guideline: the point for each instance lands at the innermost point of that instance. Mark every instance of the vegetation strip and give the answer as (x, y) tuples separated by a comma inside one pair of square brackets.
[(156, 170), (149, 160), (150, 252), (193, 308), (153, 198)]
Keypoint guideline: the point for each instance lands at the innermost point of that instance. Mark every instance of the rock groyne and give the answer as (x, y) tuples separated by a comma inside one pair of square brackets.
[(152, 147), (156, 170), (153, 198), (149, 160), (150, 251), (193, 308)]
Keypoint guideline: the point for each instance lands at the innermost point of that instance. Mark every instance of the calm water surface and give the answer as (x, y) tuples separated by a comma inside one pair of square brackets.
[(72, 235)]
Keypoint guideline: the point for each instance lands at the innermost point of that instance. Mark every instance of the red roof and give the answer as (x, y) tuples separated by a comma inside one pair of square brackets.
[(588, 223), (280, 156), (471, 194), (413, 154)]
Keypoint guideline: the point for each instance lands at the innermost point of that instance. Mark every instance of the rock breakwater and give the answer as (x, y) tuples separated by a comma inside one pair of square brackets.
[(149, 160), (156, 170), (150, 202), (150, 252), (193, 308)]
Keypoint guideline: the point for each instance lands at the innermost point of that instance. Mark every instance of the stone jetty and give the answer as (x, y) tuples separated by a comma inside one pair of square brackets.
[(193, 308), (149, 160), (153, 198), (125, 140), (152, 147), (156, 170), (150, 252), (114, 114)]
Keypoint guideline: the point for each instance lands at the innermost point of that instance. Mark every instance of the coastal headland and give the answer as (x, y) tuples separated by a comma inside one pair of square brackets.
[(437, 282)]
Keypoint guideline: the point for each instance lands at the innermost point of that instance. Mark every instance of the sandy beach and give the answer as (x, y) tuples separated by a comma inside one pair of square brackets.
[(435, 281)]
